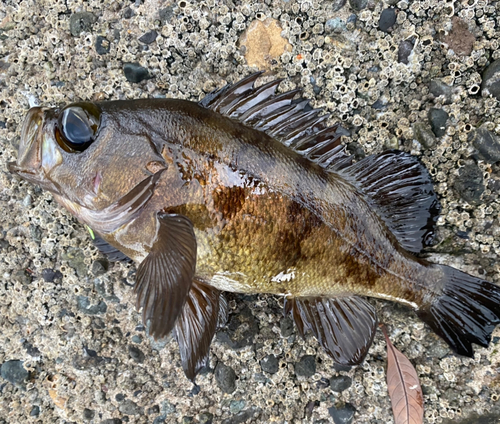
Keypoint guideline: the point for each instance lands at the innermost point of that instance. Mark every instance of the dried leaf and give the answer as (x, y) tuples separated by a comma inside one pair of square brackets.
[(404, 388)]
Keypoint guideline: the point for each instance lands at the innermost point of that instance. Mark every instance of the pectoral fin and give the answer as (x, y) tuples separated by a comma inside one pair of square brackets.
[(195, 328), (344, 326), (165, 277)]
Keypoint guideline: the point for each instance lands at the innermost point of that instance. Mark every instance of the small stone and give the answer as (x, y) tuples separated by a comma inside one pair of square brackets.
[(460, 39), (120, 397), (306, 367), (14, 372), (355, 149), (269, 364), (240, 330), (99, 267), (405, 49), (187, 420), (206, 418), (88, 414), (112, 421), (437, 119), (49, 275), (155, 409), (342, 415), (76, 260), (102, 45), (225, 378), (340, 383), (137, 339), (235, 406), (286, 327), (469, 183), (83, 304), (81, 22), (424, 135), (166, 14), (129, 407), (128, 13), (149, 37), (135, 73), (263, 43), (358, 4), (336, 25), (438, 88), (136, 354), (387, 19), (336, 5), (243, 416), (35, 411), (491, 80), (487, 144)]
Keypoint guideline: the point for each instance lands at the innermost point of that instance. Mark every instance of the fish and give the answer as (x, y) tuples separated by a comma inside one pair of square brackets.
[(251, 191)]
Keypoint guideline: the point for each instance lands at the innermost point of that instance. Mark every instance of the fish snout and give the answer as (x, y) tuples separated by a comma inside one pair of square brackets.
[(29, 155)]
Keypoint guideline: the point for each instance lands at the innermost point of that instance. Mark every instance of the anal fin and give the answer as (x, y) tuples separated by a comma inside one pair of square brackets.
[(204, 311), (344, 326)]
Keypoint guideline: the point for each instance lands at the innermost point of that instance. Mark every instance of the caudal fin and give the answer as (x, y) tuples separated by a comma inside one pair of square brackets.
[(467, 311)]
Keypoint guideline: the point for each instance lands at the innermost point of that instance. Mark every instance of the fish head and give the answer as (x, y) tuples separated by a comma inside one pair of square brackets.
[(84, 154)]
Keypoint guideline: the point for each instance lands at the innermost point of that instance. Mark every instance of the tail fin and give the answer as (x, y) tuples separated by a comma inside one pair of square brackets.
[(467, 311)]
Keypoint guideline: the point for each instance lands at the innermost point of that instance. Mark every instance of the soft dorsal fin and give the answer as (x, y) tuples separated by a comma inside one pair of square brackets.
[(292, 121), (401, 191)]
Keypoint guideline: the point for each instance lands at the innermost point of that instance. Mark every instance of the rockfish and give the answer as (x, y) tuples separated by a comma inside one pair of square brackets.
[(250, 191)]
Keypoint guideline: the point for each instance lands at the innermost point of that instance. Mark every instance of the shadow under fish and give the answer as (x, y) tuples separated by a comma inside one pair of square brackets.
[(251, 191)]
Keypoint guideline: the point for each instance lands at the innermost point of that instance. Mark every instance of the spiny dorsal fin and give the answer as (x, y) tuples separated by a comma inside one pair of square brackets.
[(401, 191), (292, 121)]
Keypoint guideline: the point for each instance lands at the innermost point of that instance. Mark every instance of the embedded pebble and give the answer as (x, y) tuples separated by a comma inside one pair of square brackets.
[(358, 4), (135, 73), (286, 327), (129, 407), (336, 25), (306, 367), (88, 414), (438, 88), (264, 43), (340, 383), (49, 275), (424, 135), (102, 45), (81, 22), (438, 119), (136, 354), (387, 19), (487, 144), (491, 80), (206, 418), (460, 39), (469, 183), (343, 414), (225, 377), (269, 364), (149, 37), (405, 49), (14, 372), (337, 4)]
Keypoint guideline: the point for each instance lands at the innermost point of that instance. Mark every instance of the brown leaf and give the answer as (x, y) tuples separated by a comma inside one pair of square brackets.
[(404, 388)]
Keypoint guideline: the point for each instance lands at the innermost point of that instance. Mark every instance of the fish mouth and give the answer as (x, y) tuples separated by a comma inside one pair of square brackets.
[(36, 154)]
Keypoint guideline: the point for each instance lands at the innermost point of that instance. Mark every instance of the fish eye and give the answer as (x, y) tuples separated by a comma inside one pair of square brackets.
[(78, 126)]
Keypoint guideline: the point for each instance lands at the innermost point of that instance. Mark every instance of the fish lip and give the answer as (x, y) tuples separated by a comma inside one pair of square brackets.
[(30, 156)]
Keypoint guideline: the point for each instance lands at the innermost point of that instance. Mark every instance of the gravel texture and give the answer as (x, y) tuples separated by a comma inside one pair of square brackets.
[(67, 316)]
